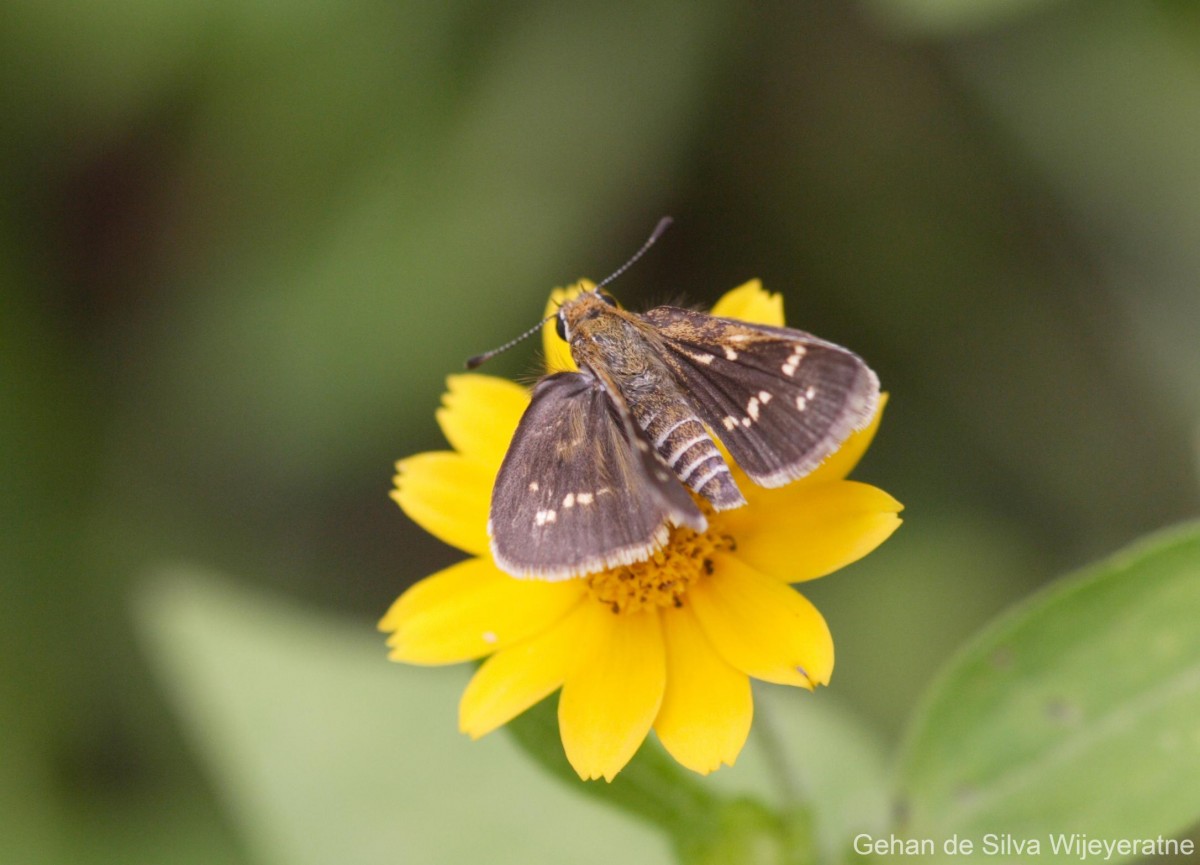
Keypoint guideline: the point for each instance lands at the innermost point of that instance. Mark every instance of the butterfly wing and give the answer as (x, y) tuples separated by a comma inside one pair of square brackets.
[(579, 489), (781, 400)]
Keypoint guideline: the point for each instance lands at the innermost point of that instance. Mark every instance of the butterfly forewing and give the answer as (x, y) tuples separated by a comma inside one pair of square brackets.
[(578, 490), (781, 400)]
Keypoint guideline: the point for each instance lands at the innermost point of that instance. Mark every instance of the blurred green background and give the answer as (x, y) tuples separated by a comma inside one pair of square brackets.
[(242, 244)]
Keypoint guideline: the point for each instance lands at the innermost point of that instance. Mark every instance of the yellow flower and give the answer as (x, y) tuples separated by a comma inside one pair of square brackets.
[(668, 644)]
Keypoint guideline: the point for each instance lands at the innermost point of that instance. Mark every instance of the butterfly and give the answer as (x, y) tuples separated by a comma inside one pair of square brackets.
[(606, 460)]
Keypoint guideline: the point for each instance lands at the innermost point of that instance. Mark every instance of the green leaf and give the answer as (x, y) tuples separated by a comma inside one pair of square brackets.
[(1075, 713), (325, 752)]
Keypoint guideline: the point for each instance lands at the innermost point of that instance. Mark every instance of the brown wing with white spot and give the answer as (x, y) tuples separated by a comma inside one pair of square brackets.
[(579, 490), (781, 400)]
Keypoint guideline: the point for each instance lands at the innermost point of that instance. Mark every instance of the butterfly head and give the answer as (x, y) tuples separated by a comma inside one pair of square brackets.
[(588, 305)]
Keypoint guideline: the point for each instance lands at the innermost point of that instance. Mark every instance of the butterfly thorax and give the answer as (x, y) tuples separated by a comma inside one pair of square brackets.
[(625, 354)]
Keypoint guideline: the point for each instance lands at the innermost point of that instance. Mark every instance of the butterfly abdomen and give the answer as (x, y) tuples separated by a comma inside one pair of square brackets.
[(678, 436)]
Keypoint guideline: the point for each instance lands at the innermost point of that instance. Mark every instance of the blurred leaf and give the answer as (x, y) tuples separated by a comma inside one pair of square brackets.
[(85, 778), (328, 753), (938, 246), (1105, 100), (413, 208), (73, 64), (1074, 713), (950, 17)]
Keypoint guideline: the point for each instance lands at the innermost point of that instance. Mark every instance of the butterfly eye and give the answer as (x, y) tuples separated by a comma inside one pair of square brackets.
[(607, 298), (560, 326)]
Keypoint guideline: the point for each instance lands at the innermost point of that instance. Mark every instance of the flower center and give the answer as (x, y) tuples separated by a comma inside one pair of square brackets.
[(663, 579)]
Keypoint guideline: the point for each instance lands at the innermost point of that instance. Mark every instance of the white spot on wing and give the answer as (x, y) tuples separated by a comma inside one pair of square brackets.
[(533, 486), (729, 422), (752, 409), (764, 397), (543, 517), (730, 354), (793, 361), (569, 500), (584, 498)]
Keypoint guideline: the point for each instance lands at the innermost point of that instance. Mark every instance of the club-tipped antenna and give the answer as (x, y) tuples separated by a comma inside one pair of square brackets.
[(478, 359), (663, 225)]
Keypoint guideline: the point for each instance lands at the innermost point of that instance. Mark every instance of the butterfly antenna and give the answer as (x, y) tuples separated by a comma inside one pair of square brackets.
[(663, 225), (488, 355)]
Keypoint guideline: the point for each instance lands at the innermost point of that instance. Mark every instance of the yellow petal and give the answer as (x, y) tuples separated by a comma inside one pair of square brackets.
[(558, 355), (610, 699), (707, 707), (749, 302), (802, 532), (473, 609), (479, 414), (841, 462), (514, 679), (761, 626), (447, 495)]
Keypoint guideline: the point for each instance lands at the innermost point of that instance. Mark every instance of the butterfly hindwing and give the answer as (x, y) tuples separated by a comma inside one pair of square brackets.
[(780, 399), (579, 490)]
